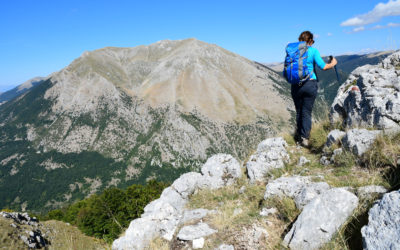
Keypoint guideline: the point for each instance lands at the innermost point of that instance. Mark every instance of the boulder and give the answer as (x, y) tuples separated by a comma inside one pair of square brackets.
[(220, 170), (187, 183), (320, 219), (334, 137), (197, 231), (376, 101), (309, 192), (359, 141), (198, 243), (383, 229), (286, 186), (271, 153)]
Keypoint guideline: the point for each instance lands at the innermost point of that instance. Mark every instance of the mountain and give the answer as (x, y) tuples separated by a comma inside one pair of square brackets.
[(21, 89), (119, 116)]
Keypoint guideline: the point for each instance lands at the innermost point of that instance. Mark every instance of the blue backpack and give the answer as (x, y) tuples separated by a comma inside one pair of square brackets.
[(295, 70)]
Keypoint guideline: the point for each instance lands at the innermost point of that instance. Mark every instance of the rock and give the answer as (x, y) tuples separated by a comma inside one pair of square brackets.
[(242, 190), (195, 231), (358, 141), (271, 153), (367, 191), (237, 211), (286, 186), (376, 101), (198, 243), (172, 197), (336, 153), (309, 192), (383, 229), (139, 233), (334, 137), (187, 183), (195, 214), (268, 211), (324, 161), (225, 247), (303, 161), (320, 219), (220, 170)]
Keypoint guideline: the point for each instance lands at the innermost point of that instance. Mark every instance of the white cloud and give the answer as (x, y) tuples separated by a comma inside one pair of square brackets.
[(358, 29), (393, 25), (389, 25), (392, 8), (316, 36), (329, 34)]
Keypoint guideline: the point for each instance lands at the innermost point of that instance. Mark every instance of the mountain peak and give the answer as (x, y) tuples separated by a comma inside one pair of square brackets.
[(189, 73)]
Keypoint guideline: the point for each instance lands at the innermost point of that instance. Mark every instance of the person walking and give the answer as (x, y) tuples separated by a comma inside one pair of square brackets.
[(299, 64)]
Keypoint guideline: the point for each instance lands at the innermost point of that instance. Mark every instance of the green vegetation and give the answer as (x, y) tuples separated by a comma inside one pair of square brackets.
[(107, 215)]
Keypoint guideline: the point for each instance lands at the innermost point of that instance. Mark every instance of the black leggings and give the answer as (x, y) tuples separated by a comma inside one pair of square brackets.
[(304, 97)]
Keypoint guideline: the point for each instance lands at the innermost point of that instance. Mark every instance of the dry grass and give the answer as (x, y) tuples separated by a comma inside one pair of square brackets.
[(66, 237), (159, 244)]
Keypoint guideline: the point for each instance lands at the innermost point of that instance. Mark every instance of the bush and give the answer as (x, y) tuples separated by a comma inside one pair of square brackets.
[(108, 214)]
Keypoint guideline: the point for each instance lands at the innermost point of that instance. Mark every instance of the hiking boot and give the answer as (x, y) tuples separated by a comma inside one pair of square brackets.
[(304, 142)]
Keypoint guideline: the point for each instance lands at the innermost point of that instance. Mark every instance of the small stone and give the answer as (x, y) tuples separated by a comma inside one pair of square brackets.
[(225, 247), (268, 211), (303, 161), (368, 191), (324, 161), (242, 190), (237, 211), (198, 243)]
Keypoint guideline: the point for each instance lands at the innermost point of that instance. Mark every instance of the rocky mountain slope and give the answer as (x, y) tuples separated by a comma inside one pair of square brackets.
[(118, 116)]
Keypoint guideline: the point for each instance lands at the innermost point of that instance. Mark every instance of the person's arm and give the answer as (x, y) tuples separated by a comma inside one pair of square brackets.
[(321, 64)]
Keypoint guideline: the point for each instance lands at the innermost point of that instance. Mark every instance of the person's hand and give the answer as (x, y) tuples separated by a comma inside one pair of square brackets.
[(334, 62)]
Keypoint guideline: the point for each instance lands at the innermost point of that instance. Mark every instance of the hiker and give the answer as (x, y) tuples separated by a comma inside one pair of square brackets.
[(299, 71)]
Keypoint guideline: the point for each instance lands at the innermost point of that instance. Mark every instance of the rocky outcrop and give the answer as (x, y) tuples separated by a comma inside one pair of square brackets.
[(320, 219), (383, 229), (367, 192), (29, 229), (300, 188), (197, 231), (370, 97), (271, 153), (334, 137), (162, 217), (359, 141)]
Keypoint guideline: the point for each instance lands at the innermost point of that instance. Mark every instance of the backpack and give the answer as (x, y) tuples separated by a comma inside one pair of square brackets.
[(295, 66)]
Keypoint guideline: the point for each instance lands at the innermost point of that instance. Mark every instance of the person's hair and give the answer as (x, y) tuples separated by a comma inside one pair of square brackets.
[(306, 36)]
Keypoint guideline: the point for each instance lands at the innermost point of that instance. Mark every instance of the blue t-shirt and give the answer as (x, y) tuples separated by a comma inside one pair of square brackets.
[(314, 56)]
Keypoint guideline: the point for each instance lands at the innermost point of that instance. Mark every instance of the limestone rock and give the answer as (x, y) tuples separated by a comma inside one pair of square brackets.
[(198, 243), (286, 186), (302, 161), (195, 231), (271, 153), (320, 219), (220, 170), (334, 137), (367, 191), (196, 214), (358, 141), (376, 100), (268, 211), (383, 229), (309, 192), (187, 183)]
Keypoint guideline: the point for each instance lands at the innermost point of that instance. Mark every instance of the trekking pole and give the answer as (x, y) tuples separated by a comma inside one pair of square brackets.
[(337, 75)]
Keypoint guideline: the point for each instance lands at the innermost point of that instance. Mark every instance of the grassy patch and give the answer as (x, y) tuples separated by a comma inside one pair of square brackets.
[(318, 135)]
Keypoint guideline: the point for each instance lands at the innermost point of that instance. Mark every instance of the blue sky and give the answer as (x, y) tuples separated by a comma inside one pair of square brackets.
[(40, 37)]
